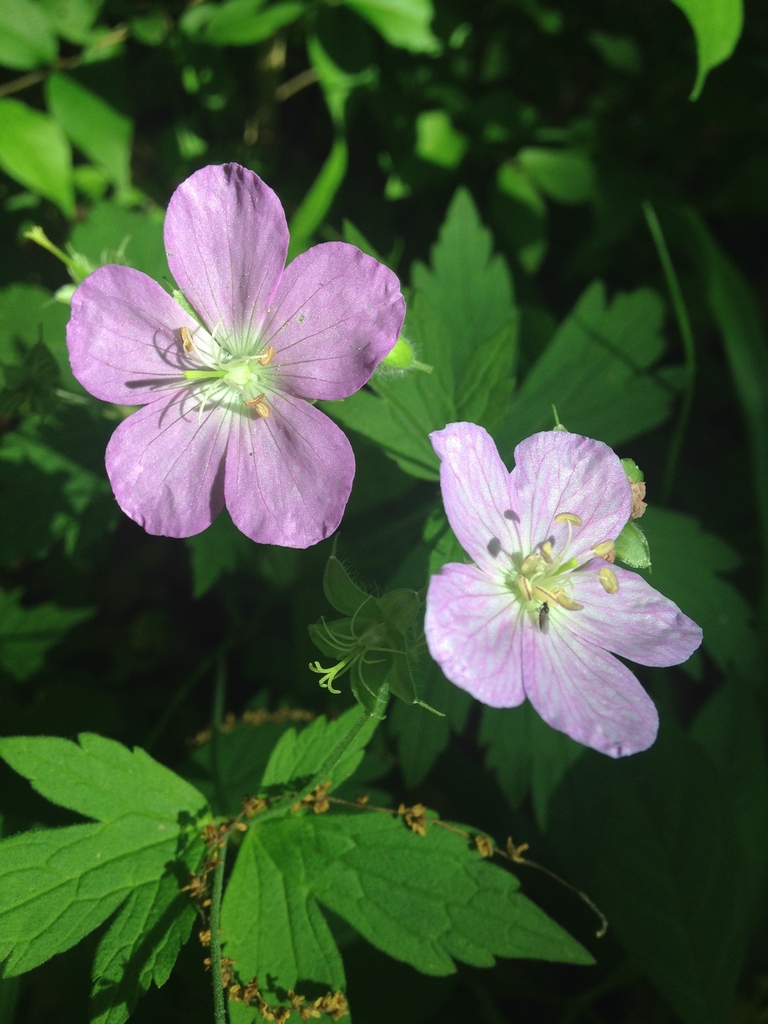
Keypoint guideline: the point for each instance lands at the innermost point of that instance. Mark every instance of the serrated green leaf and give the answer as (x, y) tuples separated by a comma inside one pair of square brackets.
[(27, 634), (595, 371), (100, 778), (235, 767), (461, 321), (26, 38), (403, 23), (35, 152), (271, 924), (298, 755), (687, 567), (140, 947), (717, 26), (527, 755), (426, 900), (98, 130), (60, 884)]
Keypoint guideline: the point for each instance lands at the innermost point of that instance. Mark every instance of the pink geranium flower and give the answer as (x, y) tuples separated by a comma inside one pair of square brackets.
[(542, 612), (227, 393)]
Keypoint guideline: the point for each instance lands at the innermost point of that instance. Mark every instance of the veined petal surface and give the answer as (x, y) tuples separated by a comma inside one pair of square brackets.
[(586, 693), (472, 634), (555, 472), (123, 336), (335, 315), (637, 622), (478, 501), (226, 238), (166, 465), (288, 477)]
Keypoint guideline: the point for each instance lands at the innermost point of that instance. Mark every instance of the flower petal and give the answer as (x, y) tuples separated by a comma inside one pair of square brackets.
[(587, 693), (166, 466), (227, 239), (637, 622), (476, 493), (472, 634), (123, 336), (556, 472), (288, 477), (336, 314)]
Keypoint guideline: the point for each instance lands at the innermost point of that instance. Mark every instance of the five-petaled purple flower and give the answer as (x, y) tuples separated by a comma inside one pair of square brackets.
[(541, 612), (227, 393)]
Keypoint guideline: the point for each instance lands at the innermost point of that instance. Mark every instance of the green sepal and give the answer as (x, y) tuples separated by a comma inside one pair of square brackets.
[(400, 608), (632, 547), (633, 471), (341, 592)]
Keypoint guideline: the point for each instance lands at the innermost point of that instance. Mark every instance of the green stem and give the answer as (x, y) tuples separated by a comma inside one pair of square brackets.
[(219, 1008), (219, 690), (689, 348)]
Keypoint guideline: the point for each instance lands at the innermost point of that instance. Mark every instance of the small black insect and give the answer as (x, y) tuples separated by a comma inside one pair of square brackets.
[(544, 618)]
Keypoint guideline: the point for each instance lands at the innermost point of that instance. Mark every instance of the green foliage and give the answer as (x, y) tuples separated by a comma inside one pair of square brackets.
[(539, 180), (26, 634), (58, 885), (717, 26), (461, 321), (35, 152)]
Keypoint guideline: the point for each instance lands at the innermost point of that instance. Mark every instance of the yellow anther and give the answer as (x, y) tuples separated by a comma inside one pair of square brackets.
[(186, 339), (266, 356), (531, 564), (525, 588), (568, 517), (546, 552), (603, 549), (566, 602), (259, 406), (608, 580), (545, 596)]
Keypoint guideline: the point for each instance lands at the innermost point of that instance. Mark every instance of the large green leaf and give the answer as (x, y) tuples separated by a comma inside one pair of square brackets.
[(34, 151), (57, 885), (271, 924), (99, 131), (98, 777), (462, 322), (595, 371), (716, 25), (298, 755)]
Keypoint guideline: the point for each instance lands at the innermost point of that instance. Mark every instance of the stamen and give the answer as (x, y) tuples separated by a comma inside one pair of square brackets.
[(566, 602), (546, 552), (531, 563), (259, 406), (568, 517), (608, 579), (603, 549), (186, 339), (525, 588), (266, 356), (545, 595)]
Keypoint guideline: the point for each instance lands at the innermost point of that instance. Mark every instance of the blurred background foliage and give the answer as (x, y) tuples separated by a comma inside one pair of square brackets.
[(574, 196)]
